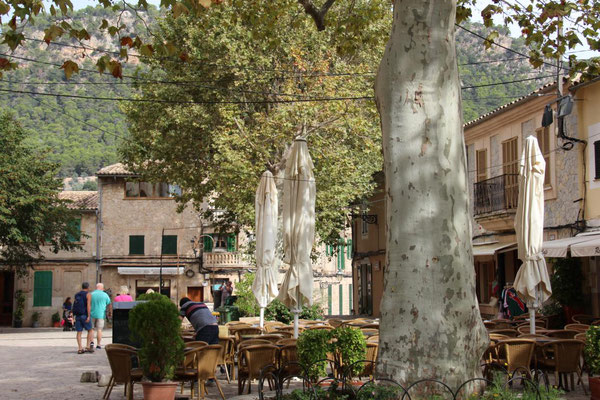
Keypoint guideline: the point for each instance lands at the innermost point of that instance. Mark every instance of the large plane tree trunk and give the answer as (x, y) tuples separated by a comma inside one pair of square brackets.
[(430, 322)]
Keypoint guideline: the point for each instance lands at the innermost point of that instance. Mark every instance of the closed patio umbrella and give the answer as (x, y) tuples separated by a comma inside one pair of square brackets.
[(265, 281), (298, 229), (532, 282)]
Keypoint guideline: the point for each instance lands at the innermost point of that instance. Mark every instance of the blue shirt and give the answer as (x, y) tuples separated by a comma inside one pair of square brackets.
[(99, 302)]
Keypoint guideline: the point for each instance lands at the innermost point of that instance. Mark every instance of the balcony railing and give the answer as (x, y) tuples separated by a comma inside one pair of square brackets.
[(223, 259), (496, 194)]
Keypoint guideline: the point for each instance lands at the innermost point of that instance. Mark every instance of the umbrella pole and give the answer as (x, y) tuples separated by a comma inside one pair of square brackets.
[(262, 318), (531, 319), (296, 313)]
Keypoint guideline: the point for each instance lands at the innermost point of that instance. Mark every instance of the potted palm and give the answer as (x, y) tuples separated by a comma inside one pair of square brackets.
[(592, 359), (35, 320), (19, 309), (56, 320), (155, 324)]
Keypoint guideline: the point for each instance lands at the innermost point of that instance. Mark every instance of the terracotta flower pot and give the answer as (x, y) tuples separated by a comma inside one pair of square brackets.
[(159, 390), (56, 324), (594, 387)]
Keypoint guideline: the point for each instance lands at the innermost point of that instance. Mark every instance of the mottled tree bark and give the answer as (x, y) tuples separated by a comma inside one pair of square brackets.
[(430, 322)]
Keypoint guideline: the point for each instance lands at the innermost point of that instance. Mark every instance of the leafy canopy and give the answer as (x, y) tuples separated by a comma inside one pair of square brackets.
[(258, 55), (31, 214)]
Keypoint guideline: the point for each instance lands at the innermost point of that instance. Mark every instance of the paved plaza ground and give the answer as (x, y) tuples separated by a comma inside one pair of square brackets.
[(43, 364)]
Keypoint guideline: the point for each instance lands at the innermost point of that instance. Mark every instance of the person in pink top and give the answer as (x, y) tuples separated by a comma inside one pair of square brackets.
[(124, 295)]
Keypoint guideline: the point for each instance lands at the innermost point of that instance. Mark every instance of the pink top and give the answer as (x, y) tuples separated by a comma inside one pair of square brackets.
[(123, 297)]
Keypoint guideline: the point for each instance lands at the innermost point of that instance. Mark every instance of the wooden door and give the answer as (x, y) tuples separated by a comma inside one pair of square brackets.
[(7, 281), (196, 293)]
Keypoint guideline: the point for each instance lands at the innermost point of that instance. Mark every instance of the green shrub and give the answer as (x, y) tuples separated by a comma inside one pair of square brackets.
[(313, 345), (246, 302), (277, 311), (156, 325), (566, 281), (151, 296), (20, 305), (313, 312), (351, 345), (372, 391), (592, 349), (56, 317)]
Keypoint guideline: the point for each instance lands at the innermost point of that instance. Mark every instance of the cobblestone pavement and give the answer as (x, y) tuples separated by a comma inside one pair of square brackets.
[(43, 364)]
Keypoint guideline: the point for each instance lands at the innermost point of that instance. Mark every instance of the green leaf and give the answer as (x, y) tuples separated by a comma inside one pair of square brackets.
[(147, 50), (52, 32)]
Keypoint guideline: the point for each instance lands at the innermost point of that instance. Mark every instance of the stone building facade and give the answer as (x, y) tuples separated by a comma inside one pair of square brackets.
[(133, 235)]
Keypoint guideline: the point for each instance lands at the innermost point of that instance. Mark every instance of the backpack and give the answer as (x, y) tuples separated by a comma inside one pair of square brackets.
[(80, 303)]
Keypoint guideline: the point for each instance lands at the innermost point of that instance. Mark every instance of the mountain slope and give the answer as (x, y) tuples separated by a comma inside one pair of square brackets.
[(83, 134)]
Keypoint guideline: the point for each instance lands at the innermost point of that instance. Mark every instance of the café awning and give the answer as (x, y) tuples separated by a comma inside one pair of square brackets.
[(589, 248), (150, 270), (560, 247), (489, 249)]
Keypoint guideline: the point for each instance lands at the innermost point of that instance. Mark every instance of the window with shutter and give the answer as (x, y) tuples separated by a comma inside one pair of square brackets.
[(510, 167), (481, 157), (208, 243), (231, 242), (136, 245), (543, 137), (349, 249), (74, 224), (42, 289), (597, 159), (169, 244)]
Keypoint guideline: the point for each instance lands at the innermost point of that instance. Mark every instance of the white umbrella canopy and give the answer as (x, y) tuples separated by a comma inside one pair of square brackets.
[(532, 282), (266, 207), (299, 197)]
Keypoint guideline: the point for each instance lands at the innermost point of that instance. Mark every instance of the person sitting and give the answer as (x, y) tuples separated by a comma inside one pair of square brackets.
[(124, 295), (67, 305)]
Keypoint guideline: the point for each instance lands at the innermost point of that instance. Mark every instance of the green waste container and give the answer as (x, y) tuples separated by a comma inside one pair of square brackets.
[(228, 313)]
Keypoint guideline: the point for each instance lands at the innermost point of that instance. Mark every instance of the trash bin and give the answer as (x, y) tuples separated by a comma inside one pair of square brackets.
[(121, 332), (228, 314)]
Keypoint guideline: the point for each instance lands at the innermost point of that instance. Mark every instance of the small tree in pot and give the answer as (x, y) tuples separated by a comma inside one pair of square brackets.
[(592, 359), (156, 325), (19, 309)]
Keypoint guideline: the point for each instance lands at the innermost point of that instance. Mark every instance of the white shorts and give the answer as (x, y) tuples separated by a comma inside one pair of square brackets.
[(98, 323)]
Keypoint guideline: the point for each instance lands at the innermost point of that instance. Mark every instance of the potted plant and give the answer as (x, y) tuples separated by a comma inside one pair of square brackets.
[(19, 309), (35, 320), (313, 346), (566, 283), (592, 359), (155, 324), (56, 320)]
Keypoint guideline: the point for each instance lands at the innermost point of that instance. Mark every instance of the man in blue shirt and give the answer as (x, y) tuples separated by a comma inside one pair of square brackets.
[(100, 301)]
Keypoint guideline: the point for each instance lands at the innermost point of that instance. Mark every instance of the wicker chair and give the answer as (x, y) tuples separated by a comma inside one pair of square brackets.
[(186, 372), (562, 334), (369, 331), (489, 324), (373, 339), (538, 322), (506, 332), (370, 326), (525, 328), (566, 360), (195, 344), (372, 350), (519, 353), (288, 357), (577, 327), (251, 360), (584, 319), (271, 326), (120, 360), (582, 337), (335, 322), (531, 336), (251, 342), (273, 338), (286, 341), (319, 327), (227, 357), (208, 357), (288, 329)]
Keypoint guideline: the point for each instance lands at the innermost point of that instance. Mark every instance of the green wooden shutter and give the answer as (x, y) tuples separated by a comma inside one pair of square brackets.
[(42, 289), (231, 242), (169, 244), (341, 255), (136, 244), (76, 225), (341, 298), (350, 302), (349, 249), (329, 296), (208, 243)]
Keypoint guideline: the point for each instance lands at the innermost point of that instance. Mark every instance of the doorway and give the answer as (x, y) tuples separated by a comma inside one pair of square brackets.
[(7, 295), (196, 293), (143, 285)]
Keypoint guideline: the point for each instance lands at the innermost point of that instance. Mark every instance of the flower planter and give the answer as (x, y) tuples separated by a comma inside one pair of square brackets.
[(56, 324), (594, 387), (159, 390)]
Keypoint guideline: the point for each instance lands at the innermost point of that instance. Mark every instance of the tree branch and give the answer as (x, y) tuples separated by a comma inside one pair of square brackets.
[(318, 15)]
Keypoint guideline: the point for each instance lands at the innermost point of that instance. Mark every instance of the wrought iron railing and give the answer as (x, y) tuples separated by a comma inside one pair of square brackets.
[(496, 194)]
